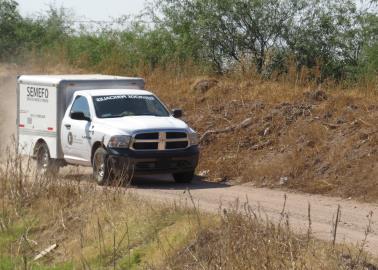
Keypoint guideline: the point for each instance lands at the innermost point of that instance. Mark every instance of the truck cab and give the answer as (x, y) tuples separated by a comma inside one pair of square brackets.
[(119, 132)]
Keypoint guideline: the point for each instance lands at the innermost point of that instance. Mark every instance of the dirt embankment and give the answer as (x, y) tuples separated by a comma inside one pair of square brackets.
[(276, 134)]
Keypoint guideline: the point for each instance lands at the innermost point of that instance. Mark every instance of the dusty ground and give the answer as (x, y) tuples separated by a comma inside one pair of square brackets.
[(7, 103)]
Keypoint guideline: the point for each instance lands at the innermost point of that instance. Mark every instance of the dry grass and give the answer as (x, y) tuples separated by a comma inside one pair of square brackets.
[(320, 141), (113, 229), (245, 240), (93, 228)]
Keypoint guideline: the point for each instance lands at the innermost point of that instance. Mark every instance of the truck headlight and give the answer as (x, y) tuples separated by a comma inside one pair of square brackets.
[(120, 141), (193, 138)]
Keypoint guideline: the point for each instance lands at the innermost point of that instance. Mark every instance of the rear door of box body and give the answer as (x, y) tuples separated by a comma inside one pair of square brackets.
[(37, 117)]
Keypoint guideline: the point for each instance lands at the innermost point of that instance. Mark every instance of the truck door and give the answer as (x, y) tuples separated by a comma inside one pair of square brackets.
[(76, 136)]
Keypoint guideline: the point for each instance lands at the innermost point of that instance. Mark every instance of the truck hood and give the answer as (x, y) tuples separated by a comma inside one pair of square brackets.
[(132, 124)]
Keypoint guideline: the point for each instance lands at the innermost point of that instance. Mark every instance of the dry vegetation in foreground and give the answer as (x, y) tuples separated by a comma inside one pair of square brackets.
[(281, 133), (245, 240), (85, 227)]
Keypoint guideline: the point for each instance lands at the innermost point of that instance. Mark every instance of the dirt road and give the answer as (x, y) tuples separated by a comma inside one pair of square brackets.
[(211, 196)]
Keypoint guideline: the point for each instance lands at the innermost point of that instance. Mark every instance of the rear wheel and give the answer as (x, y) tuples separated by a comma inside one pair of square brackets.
[(45, 165), (184, 177), (101, 170)]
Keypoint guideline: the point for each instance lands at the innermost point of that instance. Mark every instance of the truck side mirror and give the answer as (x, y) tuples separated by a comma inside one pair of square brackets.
[(177, 113), (79, 116)]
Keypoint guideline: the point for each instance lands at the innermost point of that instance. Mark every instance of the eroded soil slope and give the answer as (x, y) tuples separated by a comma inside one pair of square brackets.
[(273, 134)]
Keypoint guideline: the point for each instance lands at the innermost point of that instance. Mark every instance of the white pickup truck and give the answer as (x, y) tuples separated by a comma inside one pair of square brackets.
[(109, 123)]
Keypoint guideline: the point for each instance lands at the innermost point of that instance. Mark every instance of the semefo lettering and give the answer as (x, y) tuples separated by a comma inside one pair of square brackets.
[(37, 92)]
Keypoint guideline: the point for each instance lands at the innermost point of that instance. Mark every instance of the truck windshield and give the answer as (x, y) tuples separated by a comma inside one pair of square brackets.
[(114, 106)]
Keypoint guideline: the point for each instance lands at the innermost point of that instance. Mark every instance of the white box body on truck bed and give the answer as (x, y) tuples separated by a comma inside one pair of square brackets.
[(107, 122), (43, 100)]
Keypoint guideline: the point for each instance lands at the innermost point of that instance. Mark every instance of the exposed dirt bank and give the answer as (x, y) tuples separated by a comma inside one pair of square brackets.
[(278, 135)]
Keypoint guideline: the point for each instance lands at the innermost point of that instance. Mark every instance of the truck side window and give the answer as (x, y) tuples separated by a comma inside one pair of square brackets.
[(81, 105)]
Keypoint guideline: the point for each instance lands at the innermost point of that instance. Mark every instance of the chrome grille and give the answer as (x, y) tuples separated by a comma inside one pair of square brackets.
[(171, 140), (147, 136)]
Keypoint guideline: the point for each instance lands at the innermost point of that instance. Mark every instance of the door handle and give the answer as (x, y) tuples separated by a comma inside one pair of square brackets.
[(68, 126)]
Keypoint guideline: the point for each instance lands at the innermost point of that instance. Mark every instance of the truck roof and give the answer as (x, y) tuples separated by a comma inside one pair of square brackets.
[(108, 92), (56, 79)]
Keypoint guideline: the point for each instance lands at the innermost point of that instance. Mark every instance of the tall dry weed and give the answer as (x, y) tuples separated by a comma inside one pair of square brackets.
[(245, 239)]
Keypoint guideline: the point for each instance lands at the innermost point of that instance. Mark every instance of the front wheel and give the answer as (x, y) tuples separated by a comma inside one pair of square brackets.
[(45, 165), (184, 177), (101, 171)]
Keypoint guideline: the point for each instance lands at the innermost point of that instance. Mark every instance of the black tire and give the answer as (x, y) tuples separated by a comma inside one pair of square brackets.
[(184, 177), (45, 165), (100, 165)]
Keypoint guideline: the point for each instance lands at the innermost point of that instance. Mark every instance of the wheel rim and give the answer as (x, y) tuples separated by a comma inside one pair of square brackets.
[(99, 167), (43, 160)]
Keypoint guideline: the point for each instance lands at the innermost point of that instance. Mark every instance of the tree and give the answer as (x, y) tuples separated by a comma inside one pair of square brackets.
[(326, 35), (261, 24), (367, 67), (9, 21), (231, 30)]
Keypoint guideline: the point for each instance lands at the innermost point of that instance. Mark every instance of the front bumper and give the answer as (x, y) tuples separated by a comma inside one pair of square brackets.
[(153, 162)]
